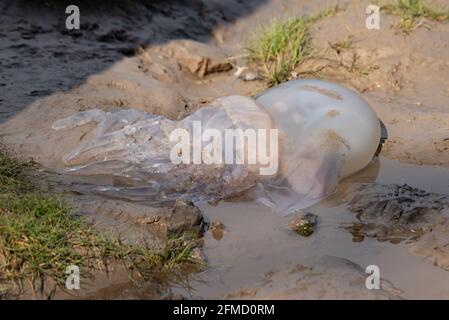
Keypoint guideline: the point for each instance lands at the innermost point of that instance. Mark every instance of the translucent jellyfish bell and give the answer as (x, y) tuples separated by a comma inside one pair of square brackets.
[(327, 133)]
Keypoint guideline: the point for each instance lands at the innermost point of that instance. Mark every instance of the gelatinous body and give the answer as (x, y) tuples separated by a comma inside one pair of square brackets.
[(134, 147), (326, 132), (329, 133), (305, 108)]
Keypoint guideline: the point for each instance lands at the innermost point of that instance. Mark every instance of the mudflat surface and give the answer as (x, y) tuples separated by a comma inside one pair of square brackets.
[(150, 58)]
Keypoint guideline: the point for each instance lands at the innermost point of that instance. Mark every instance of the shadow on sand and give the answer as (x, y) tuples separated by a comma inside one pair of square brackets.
[(39, 56)]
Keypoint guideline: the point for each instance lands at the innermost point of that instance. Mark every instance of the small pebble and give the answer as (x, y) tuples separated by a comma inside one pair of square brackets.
[(303, 224), (251, 76), (217, 229)]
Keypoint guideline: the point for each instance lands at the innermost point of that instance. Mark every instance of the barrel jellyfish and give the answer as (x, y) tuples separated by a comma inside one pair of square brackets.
[(324, 133)]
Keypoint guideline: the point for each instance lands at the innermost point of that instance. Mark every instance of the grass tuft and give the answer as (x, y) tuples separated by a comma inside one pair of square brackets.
[(412, 14), (281, 46), (40, 237), (12, 174)]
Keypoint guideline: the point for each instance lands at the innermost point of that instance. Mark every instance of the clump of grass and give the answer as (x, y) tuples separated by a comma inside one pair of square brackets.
[(280, 47), (412, 14), (325, 13), (12, 174), (40, 237)]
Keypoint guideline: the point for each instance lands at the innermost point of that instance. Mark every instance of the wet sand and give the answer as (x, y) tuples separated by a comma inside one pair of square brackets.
[(144, 59)]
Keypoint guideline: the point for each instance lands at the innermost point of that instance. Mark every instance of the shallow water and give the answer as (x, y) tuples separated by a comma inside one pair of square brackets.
[(256, 241)]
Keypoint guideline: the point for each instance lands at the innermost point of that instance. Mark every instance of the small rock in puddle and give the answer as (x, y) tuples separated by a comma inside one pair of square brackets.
[(303, 224), (217, 229), (184, 217), (197, 256)]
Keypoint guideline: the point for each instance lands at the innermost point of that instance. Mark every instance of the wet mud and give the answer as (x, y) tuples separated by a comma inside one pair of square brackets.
[(172, 58)]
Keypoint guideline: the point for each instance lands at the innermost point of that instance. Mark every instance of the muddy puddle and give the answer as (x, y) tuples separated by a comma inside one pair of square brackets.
[(257, 244)]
